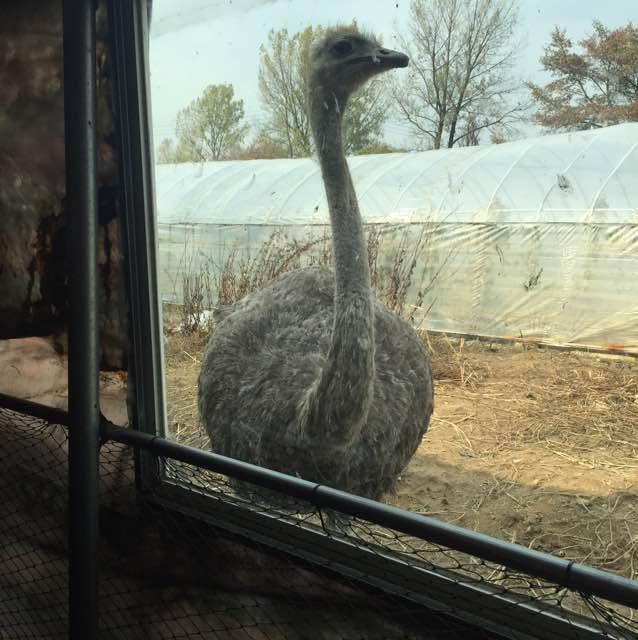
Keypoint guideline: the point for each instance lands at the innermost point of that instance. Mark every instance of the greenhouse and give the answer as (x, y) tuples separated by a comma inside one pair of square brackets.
[(534, 239)]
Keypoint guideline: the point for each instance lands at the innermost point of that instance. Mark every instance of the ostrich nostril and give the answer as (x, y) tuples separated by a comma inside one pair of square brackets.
[(384, 52)]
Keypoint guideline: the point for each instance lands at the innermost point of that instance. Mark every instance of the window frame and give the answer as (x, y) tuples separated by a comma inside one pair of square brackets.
[(129, 31)]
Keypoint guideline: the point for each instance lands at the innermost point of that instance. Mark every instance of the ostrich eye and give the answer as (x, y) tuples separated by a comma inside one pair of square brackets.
[(342, 48)]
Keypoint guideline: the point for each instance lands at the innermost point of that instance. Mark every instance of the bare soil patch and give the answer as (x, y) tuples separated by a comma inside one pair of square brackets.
[(529, 444)]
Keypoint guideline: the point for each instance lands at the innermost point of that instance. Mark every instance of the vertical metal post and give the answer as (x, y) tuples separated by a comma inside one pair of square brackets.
[(84, 414)]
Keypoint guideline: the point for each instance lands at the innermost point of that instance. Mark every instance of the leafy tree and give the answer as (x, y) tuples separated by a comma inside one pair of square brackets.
[(211, 127), (379, 147), (263, 146), (459, 81), (283, 85), (168, 152), (595, 87)]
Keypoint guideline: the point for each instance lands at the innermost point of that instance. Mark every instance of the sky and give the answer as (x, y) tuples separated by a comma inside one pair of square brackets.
[(195, 43)]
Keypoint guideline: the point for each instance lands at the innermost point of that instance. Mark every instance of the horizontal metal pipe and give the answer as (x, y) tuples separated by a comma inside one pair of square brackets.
[(540, 343), (296, 487), (54, 416), (542, 565)]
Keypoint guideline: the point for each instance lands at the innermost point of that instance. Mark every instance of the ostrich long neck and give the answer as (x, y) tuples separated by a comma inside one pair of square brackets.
[(338, 404)]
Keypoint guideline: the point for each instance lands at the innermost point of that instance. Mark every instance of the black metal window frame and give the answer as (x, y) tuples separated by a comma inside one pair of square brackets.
[(436, 589), (128, 26)]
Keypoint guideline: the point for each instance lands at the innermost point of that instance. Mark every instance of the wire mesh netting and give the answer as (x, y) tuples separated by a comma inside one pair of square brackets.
[(164, 574), (188, 559), (185, 579), (33, 503), (427, 572)]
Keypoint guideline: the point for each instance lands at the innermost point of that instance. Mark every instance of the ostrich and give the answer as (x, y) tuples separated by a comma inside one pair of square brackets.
[(312, 376)]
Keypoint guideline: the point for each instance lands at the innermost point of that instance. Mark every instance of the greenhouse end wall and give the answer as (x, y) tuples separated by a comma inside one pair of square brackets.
[(536, 239)]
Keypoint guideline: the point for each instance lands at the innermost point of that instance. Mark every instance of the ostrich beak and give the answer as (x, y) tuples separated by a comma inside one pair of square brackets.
[(382, 59), (390, 59)]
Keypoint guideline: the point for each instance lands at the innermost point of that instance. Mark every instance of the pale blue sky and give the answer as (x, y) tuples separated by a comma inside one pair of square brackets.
[(199, 42)]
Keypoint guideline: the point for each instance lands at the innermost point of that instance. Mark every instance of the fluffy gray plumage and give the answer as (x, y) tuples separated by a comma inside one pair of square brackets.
[(312, 376)]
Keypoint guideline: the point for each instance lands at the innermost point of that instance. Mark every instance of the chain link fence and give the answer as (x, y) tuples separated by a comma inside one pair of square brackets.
[(194, 557)]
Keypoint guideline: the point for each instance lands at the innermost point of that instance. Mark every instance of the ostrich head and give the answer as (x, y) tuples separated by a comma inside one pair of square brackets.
[(344, 59)]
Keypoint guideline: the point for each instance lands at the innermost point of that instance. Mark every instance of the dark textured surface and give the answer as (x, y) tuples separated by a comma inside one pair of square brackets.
[(35, 238)]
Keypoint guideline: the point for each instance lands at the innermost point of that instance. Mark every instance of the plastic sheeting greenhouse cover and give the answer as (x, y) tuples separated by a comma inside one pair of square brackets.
[(539, 237)]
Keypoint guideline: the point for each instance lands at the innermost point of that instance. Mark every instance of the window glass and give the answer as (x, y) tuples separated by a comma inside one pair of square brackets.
[(494, 237)]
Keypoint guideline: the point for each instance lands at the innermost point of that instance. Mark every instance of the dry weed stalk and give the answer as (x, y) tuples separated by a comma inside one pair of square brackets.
[(401, 269), (450, 361), (244, 273)]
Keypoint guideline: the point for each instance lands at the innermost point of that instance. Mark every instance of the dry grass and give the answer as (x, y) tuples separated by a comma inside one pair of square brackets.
[(580, 407), (183, 360), (533, 445), (536, 446)]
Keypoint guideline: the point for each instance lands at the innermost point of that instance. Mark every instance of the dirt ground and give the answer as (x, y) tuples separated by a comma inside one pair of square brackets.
[(533, 445)]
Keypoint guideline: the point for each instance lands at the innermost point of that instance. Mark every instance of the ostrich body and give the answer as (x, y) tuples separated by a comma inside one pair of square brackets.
[(312, 376)]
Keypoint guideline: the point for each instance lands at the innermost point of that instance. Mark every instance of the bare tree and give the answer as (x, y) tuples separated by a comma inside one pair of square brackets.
[(460, 83), (470, 131)]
